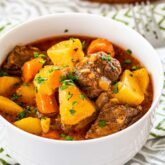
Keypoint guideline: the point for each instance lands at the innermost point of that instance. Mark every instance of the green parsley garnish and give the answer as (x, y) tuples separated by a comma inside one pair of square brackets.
[(116, 90), (36, 54), (40, 80), (127, 61), (65, 84), (72, 77), (83, 45), (102, 123), (14, 97), (42, 55), (106, 57), (72, 111), (1, 150), (135, 67), (74, 103), (2, 73), (21, 115), (69, 96), (54, 68), (129, 51), (70, 138), (42, 61), (62, 135), (82, 96), (2, 161)]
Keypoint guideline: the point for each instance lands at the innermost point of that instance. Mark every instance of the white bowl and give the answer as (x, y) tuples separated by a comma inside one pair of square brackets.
[(114, 149)]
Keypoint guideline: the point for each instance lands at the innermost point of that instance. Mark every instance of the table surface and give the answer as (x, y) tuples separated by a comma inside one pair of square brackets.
[(13, 12)]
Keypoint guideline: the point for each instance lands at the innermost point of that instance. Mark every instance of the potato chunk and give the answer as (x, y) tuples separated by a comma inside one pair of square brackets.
[(45, 124), (7, 84), (66, 52), (29, 124), (8, 106), (74, 106), (143, 78), (47, 80), (129, 91), (26, 93)]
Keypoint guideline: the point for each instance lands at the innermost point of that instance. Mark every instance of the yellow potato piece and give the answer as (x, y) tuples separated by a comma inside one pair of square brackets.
[(26, 93), (6, 84), (143, 78), (29, 124), (8, 106), (74, 106), (129, 90), (65, 53), (42, 80), (45, 124)]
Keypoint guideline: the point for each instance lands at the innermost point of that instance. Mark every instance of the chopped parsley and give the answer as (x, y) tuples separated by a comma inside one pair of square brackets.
[(42, 61), (72, 77), (24, 113), (65, 84), (82, 96), (66, 137), (102, 123), (72, 111), (54, 68), (14, 97), (70, 138), (4, 162), (21, 115), (135, 67), (2, 73), (83, 45), (66, 30), (62, 135), (69, 96), (116, 90), (1, 150), (40, 80), (106, 57), (74, 103), (127, 61), (129, 51), (36, 54)]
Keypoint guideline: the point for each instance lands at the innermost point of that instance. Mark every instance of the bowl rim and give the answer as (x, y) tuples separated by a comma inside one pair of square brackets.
[(95, 140)]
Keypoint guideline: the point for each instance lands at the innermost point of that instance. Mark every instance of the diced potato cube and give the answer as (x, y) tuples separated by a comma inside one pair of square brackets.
[(7, 83), (8, 106), (74, 106), (66, 52), (29, 124), (45, 124), (27, 93), (47, 80), (142, 78), (129, 91)]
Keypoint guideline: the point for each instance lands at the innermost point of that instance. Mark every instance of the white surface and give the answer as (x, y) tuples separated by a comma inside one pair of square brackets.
[(115, 149)]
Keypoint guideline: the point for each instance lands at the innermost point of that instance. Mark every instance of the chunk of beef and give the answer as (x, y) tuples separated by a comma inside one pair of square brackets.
[(113, 118), (96, 73), (18, 56)]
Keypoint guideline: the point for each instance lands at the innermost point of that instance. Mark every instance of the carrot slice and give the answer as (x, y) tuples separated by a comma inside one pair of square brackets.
[(31, 68), (46, 104), (51, 135), (101, 44)]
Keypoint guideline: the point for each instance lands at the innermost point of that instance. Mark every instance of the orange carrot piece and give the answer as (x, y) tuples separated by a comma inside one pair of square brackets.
[(101, 44), (46, 104), (54, 80), (31, 68), (51, 135)]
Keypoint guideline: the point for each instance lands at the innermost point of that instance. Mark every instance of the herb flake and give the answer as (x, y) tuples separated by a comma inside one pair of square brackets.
[(127, 61), (116, 90), (102, 123), (82, 96)]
